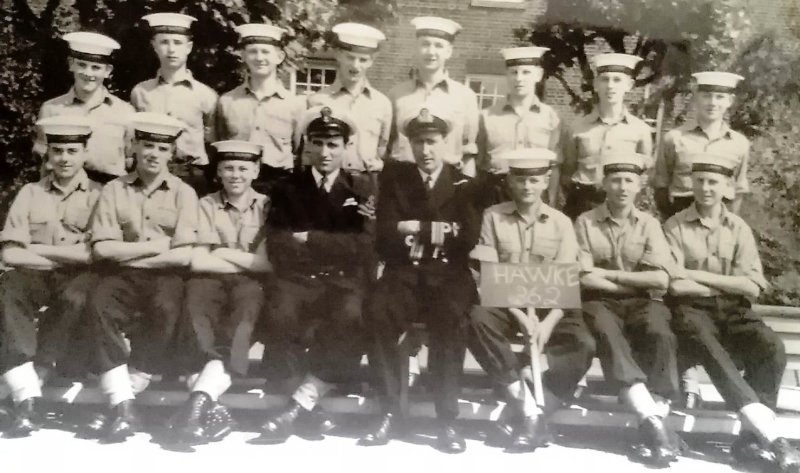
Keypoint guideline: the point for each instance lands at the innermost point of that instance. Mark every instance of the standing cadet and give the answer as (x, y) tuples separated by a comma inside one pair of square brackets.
[(319, 242), (520, 120), (356, 46), (90, 63), (708, 132), (432, 84), (143, 228), (609, 128), (261, 110), (425, 230), (224, 297), (175, 92), (719, 275), (527, 230), (45, 240), (625, 268)]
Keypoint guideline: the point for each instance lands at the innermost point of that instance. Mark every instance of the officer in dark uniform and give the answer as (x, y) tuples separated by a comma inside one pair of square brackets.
[(45, 242), (426, 229), (320, 243), (224, 296), (625, 268), (719, 274)]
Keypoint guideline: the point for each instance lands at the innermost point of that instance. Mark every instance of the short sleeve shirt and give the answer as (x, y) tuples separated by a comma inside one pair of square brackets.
[(188, 100), (501, 128), (591, 136), (270, 121), (111, 130), (222, 224), (454, 98), (549, 238), (47, 214), (372, 113), (674, 169), (725, 246), (128, 211), (633, 243)]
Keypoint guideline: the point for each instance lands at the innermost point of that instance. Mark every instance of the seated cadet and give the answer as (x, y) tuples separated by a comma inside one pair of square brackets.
[(426, 227), (90, 64), (175, 92), (527, 230), (224, 297), (45, 241), (719, 274), (319, 241), (625, 268), (143, 228)]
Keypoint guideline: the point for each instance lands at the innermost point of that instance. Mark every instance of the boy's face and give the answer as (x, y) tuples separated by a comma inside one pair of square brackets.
[(522, 80), (262, 59), (712, 106), (527, 189), (622, 188), (353, 66), (66, 159), (611, 87), (709, 187), (152, 156), (88, 76), (237, 175), (433, 53), (172, 49)]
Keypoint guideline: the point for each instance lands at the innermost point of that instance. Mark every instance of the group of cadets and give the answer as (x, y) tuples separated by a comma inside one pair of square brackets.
[(330, 224)]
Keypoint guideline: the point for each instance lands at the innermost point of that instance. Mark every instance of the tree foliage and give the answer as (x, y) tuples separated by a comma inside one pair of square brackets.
[(33, 58)]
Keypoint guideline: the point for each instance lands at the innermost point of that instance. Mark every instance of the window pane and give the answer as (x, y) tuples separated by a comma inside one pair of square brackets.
[(475, 85), (330, 76)]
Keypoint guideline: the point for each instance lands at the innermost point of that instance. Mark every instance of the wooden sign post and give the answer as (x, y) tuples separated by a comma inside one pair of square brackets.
[(528, 286)]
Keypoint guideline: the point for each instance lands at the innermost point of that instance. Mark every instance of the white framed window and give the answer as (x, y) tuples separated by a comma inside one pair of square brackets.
[(313, 77), (489, 88)]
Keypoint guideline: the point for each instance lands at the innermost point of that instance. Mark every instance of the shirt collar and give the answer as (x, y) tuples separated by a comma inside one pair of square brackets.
[(434, 175), (541, 212), (602, 213), (365, 88), (534, 107), (695, 127), (594, 116), (443, 83), (73, 98), (81, 182), (330, 178), (278, 89), (692, 215), (248, 202), (184, 77), (167, 180)]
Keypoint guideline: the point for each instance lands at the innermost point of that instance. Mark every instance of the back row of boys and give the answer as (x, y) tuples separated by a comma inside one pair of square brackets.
[(261, 112)]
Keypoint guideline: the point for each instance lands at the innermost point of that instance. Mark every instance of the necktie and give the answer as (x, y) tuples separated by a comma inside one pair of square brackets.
[(322, 183), (429, 182)]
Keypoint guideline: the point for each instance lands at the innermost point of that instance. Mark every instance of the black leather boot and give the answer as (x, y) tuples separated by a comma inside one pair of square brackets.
[(218, 422), (125, 424), (25, 419), (188, 425), (657, 438), (787, 457), (386, 429), (280, 427), (530, 434), (450, 440)]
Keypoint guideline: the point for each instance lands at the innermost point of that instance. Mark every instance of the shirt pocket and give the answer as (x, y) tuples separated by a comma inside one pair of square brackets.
[(76, 216), (587, 146), (508, 250), (247, 237), (633, 250), (39, 226), (538, 136), (695, 254), (166, 218), (545, 247)]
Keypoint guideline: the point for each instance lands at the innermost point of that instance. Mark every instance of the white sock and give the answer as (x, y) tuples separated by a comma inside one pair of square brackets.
[(761, 420), (139, 380), (640, 400), (23, 382), (413, 365), (214, 380), (310, 392), (664, 405), (191, 380), (116, 384), (519, 391)]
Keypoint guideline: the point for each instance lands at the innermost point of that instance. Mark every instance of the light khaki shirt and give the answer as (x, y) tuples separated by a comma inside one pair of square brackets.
[(725, 246), (188, 100), (129, 211), (270, 121), (674, 169), (590, 136), (223, 224), (45, 213), (112, 131), (501, 128)]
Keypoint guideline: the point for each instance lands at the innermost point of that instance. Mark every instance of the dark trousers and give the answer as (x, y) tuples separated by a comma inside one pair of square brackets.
[(569, 350), (317, 323), (223, 310), (634, 342), (441, 298), (145, 306), (23, 293), (581, 198), (723, 334)]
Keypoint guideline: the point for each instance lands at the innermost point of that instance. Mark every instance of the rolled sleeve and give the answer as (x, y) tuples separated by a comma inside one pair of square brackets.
[(17, 228), (747, 263), (186, 226), (585, 257), (105, 224), (672, 232)]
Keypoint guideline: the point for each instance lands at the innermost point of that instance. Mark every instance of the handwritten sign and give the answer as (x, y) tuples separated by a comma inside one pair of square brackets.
[(530, 285)]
